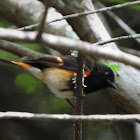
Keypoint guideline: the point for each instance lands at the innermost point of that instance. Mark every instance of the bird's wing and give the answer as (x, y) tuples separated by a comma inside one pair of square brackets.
[(67, 62)]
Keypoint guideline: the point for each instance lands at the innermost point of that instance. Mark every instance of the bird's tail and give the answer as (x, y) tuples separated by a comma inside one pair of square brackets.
[(6, 61), (15, 62)]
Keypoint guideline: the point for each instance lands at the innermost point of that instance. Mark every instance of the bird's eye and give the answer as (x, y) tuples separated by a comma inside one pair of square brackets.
[(106, 73)]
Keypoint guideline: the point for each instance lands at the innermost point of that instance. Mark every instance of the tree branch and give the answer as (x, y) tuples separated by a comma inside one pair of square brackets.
[(20, 51), (66, 117), (92, 31), (65, 44), (42, 24), (117, 39)]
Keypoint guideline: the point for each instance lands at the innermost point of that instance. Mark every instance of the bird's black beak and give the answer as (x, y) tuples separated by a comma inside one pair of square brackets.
[(112, 84)]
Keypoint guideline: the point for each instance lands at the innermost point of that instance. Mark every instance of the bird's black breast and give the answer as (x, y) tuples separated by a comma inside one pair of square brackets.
[(94, 82)]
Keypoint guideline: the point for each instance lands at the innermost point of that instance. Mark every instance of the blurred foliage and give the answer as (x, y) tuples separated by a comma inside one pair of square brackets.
[(4, 23), (29, 83), (137, 7), (32, 46), (7, 55), (94, 129), (53, 105)]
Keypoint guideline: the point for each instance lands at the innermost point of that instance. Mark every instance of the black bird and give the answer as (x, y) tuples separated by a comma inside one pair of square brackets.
[(59, 74)]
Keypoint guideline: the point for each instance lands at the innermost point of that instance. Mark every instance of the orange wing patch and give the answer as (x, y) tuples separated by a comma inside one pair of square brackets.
[(21, 64), (87, 73)]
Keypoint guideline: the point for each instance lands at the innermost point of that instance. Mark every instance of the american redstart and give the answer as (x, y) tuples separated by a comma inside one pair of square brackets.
[(59, 74)]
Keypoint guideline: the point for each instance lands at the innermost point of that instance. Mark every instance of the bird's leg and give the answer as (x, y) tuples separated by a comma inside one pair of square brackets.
[(84, 94), (70, 103)]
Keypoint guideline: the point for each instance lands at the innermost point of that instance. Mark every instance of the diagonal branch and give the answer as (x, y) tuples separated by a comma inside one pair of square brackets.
[(65, 44), (19, 50)]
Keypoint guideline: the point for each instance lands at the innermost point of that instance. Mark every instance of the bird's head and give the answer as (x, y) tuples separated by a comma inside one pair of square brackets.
[(100, 77), (106, 75)]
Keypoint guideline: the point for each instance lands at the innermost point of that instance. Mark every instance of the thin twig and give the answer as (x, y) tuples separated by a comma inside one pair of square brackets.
[(41, 28), (29, 27), (66, 117), (79, 96), (84, 14), (117, 39)]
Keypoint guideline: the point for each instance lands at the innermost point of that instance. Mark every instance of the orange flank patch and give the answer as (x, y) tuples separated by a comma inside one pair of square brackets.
[(21, 64), (87, 73), (58, 73), (64, 73), (60, 60)]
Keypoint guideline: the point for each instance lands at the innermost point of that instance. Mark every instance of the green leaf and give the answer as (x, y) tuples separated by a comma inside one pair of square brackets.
[(74, 53), (115, 68)]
